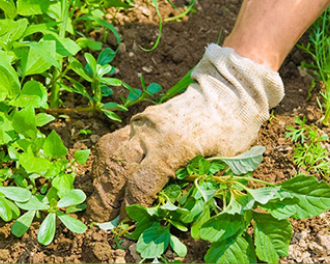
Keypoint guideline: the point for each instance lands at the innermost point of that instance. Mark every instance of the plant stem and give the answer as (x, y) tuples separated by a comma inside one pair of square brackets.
[(229, 179), (70, 110), (55, 90), (126, 230)]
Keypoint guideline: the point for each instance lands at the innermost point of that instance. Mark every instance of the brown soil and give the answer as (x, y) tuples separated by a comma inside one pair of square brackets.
[(181, 47)]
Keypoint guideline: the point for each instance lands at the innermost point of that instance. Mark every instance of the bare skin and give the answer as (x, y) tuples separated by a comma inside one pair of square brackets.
[(266, 31)]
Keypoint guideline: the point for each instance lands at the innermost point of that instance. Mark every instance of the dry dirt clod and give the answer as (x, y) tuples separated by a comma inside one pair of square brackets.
[(94, 138), (102, 251), (315, 248), (135, 255), (324, 240), (307, 260), (120, 256)]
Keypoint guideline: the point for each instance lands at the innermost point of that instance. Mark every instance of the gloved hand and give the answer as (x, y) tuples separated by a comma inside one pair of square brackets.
[(219, 115)]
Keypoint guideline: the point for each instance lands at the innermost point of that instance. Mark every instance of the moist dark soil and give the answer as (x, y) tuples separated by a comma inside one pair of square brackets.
[(181, 47)]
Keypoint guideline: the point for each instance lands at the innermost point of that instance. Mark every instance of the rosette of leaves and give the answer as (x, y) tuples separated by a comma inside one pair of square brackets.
[(69, 203)]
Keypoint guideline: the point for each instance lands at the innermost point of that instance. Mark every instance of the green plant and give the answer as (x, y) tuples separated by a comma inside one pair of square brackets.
[(310, 152), (212, 199), (319, 49)]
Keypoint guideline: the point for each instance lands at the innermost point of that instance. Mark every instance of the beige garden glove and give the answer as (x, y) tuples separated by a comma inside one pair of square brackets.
[(219, 115)]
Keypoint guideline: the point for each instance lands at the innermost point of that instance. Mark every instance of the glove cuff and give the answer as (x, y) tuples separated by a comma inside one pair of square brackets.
[(253, 72), (230, 81)]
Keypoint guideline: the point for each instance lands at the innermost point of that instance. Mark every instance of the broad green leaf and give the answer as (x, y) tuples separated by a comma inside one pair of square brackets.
[(33, 164), (81, 156), (91, 62), (64, 46), (54, 147), (141, 227), (24, 122), (154, 88), (71, 223), (281, 209), (43, 119), (106, 56), (111, 115), (63, 183), (221, 227), (5, 210), (134, 94), (112, 81), (11, 30), (38, 58), (206, 190), (89, 43), (245, 162), (76, 208), (231, 250), (137, 212), (195, 208), (17, 194), (32, 204), (33, 94), (195, 163), (178, 247), (169, 206), (182, 173), (9, 8), (153, 241), (172, 191), (9, 85), (7, 132), (14, 209), (22, 224), (44, 28), (54, 11), (72, 197), (106, 91), (272, 237), (263, 195), (178, 225), (239, 203), (217, 166), (103, 69), (251, 249), (32, 7), (47, 230), (78, 68), (314, 196), (203, 218)]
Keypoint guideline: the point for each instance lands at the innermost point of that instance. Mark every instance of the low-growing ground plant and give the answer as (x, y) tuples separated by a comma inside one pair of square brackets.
[(319, 49), (45, 51), (212, 199), (310, 153)]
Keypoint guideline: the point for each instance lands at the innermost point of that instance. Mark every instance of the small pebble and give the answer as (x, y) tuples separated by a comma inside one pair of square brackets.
[(94, 138), (147, 69)]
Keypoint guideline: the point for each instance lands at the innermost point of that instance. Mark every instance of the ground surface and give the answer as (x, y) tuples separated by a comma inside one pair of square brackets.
[(181, 47)]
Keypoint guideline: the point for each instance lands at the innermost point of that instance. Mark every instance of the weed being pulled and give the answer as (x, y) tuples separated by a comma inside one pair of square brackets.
[(211, 199)]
